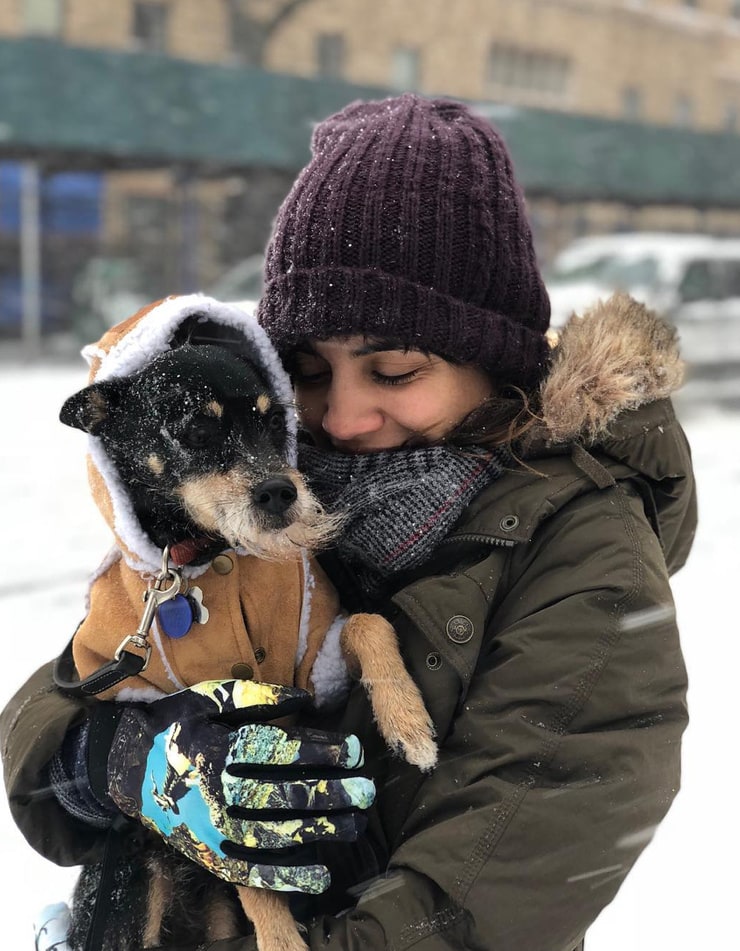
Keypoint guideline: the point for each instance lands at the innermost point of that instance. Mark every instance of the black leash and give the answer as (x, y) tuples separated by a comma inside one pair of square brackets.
[(109, 675)]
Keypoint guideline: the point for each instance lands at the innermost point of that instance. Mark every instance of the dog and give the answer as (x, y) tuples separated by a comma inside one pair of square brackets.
[(194, 448)]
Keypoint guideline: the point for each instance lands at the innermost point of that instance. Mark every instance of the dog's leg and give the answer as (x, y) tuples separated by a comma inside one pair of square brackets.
[(398, 706), (220, 915), (274, 926), (159, 897)]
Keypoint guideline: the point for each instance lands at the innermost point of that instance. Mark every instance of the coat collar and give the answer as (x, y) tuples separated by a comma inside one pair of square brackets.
[(611, 373)]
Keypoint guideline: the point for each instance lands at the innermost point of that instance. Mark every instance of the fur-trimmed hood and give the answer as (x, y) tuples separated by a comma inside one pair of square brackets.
[(617, 356), (130, 346)]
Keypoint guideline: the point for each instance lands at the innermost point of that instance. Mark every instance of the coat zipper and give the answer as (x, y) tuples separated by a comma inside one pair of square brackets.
[(484, 539)]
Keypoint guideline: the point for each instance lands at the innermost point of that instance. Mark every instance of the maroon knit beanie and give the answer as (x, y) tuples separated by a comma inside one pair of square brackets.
[(408, 224)]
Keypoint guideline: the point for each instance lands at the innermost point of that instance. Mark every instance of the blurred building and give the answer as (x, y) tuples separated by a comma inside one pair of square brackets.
[(672, 64)]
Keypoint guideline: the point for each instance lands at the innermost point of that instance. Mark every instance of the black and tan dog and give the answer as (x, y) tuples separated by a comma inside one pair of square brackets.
[(192, 446)]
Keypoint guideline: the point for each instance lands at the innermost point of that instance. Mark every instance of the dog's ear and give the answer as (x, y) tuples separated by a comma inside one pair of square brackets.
[(90, 408)]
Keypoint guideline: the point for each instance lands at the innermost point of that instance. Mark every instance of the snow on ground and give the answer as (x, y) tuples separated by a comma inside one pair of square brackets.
[(680, 896)]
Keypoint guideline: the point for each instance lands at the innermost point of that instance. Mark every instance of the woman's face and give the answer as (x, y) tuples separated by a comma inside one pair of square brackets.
[(361, 394)]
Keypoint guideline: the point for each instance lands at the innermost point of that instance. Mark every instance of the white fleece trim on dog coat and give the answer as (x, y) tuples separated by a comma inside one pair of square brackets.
[(138, 695), (111, 557), (329, 675), (146, 340), (309, 583), (92, 352)]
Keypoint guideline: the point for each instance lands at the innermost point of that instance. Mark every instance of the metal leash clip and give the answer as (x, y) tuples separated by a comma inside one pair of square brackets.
[(153, 597)]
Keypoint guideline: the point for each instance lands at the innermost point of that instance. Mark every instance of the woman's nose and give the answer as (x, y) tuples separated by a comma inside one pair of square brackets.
[(349, 414)]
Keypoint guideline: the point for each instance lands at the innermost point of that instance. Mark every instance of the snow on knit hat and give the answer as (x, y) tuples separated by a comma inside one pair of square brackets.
[(408, 224)]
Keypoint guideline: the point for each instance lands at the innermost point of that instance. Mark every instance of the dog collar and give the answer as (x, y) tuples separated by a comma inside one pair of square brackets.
[(182, 553)]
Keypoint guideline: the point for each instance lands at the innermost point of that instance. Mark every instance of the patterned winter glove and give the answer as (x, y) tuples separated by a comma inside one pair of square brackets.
[(216, 787)]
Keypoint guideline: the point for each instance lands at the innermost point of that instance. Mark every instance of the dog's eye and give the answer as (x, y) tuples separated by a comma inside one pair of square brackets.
[(276, 421), (201, 432)]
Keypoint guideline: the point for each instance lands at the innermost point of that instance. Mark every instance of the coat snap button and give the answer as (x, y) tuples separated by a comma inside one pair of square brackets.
[(260, 654), (222, 564), (460, 629), (508, 523), (242, 672), (434, 661)]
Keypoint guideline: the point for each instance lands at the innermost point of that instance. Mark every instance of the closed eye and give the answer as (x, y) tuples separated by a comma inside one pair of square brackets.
[(276, 421), (385, 379), (395, 379), (310, 379)]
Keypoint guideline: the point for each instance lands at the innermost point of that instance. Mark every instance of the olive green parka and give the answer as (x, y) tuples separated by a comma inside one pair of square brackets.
[(543, 637)]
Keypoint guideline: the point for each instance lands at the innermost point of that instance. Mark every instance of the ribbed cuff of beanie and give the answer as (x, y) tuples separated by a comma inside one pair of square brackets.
[(372, 303)]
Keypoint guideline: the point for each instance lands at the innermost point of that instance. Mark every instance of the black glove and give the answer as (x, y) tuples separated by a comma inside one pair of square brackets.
[(237, 797)]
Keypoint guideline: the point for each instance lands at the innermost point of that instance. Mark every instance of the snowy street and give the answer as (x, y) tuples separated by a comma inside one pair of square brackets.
[(682, 893)]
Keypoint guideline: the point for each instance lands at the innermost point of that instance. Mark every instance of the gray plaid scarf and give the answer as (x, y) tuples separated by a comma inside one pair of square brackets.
[(398, 504)]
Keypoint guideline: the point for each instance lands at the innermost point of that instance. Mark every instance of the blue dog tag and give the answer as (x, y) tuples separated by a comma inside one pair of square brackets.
[(176, 616)]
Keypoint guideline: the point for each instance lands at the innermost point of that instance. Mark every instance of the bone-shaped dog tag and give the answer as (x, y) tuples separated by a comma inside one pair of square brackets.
[(201, 612)]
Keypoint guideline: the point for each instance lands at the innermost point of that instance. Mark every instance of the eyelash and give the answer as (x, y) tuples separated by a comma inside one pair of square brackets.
[(309, 379), (316, 379), (397, 380)]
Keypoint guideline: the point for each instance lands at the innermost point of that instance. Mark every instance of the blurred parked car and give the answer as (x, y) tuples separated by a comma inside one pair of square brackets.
[(694, 280)]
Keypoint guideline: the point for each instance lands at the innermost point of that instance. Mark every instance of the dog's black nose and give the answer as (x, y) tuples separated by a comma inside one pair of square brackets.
[(275, 495)]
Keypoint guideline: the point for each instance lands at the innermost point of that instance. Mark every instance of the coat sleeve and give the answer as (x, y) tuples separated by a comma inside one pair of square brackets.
[(32, 728), (562, 761)]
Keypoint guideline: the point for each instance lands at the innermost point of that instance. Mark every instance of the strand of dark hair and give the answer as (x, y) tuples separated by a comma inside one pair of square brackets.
[(502, 420)]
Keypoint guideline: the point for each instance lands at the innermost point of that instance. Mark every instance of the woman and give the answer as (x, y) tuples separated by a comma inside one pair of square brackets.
[(514, 510)]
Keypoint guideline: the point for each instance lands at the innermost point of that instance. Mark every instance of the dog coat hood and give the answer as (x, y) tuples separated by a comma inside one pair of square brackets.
[(132, 345)]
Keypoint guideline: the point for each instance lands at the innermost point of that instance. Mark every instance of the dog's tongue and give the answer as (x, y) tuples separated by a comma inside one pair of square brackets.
[(182, 553)]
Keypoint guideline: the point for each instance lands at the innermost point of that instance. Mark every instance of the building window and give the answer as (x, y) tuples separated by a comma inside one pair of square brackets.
[(405, 68), (541, 75), (632, 103), (330, 55), (42, 17), (149, 27), (683, 111)]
